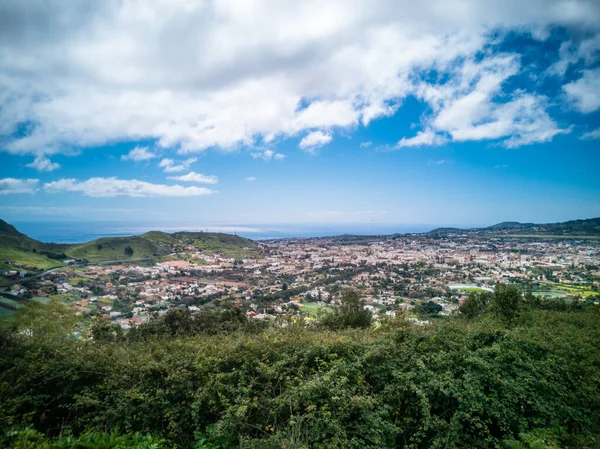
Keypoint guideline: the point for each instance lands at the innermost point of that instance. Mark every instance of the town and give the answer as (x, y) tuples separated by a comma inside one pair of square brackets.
[(424, 276)]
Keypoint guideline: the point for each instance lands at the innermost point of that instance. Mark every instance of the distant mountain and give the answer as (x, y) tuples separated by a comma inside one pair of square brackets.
[(574, 228), (445, 230), (17, 248), (510, 225), (587, 228)]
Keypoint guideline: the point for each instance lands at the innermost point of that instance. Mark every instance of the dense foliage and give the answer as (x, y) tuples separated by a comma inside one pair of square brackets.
[(532, 380)]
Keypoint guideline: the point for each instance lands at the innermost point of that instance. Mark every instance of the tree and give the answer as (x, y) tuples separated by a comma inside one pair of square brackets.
[(128, 251), (350, 313), (475, 304), (54, 318), (507, 301), (428, 308)]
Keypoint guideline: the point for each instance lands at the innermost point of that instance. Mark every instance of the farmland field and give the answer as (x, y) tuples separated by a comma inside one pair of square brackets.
[(313, 308)]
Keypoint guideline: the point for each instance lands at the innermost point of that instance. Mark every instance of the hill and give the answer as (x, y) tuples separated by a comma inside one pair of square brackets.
[(17, 248), (510, 225), (589, 228), (18, 251), (116, 248), (9, 230), (230, 245), (575, 228)]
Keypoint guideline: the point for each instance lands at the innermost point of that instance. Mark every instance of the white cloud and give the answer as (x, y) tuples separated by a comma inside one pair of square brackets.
[(500, 166), (196, 177), (572, 52), (42, 163), (466, 106), (267, 155), (171, 166), (422, 138), (10, 186), (250, 179), (585, 92), (196, 75), (366, 144), (437, 162), (138, 154), (314, 140), (591, 135), (111, 187)]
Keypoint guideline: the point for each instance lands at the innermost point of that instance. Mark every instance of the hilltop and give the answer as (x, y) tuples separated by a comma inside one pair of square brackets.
[(18, 248), (589, 228)]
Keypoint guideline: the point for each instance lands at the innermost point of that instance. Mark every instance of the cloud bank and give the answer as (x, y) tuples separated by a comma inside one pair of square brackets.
[(220, 74), (112, 187)]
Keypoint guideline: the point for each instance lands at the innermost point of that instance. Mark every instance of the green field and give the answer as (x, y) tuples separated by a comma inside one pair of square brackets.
[(561, 290), (473, 289), (312, 308), (26, 258), (10, 303)]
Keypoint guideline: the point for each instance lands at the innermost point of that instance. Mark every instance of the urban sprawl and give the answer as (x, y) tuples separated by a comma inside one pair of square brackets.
[(305, 277)]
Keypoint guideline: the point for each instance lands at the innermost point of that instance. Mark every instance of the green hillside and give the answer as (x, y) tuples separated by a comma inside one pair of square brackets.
[(17, 248), (575, 228), (17, 251), (8, 229), (510, 225), (229, 245), (116, 248), (160, 237), (589, 228)]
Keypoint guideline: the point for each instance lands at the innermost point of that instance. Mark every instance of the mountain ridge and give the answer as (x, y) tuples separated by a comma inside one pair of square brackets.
[(18, 248)]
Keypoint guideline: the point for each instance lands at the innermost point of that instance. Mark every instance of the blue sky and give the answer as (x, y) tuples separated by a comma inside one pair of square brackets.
[(325, 112)]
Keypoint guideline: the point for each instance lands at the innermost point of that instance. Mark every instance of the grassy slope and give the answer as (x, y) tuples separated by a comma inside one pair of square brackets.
[(113, 248), (313, 308), (26, 258), (160, 237), (230, 245), (19, 248)]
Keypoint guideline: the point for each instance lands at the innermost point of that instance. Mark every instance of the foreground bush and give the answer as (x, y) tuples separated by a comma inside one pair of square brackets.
[(456, 383)]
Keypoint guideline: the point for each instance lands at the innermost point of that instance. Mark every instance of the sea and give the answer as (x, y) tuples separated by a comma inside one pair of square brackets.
[(84, 231)]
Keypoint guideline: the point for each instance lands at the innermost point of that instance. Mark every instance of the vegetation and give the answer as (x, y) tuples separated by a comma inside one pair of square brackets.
[(18, 249), (231, 245), (574, 229), (216, 379), (115, 248), (313, 308), (349, 314)]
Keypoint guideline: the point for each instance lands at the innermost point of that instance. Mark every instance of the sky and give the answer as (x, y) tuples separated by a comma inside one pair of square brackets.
[(449, 112)]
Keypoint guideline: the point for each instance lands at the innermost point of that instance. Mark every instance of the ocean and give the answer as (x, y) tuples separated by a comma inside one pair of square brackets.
[(80, 231)]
